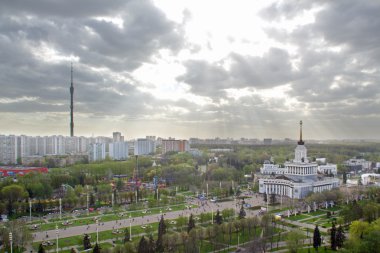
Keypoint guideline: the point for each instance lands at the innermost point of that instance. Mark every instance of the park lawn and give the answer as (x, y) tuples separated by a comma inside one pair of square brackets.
[(312, 250), (298, 217), (187, 193), (278, 210), (110, 217), (206, 247), (326, 225), (287, 224), (313, 220), (104, 235), (317, 213), (210, 247), (322, 221), (334, 209), (223, 240), (277, 249)]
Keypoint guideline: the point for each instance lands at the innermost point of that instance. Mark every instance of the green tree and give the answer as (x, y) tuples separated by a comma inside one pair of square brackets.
[(126, 235), (218, 218), (316, 238), (41, 249), (96, 249), (344, 177), (20, 230), (12, 194), (242, 212), (161, 232), (340, 237), (333, 237), (119, 184), (86, 242), (294, 240), (358, 229), (191, 223), (143, 246), (371, 211), (151, 244)]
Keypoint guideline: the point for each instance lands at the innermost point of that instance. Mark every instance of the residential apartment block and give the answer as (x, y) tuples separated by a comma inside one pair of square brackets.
[(175, 145)]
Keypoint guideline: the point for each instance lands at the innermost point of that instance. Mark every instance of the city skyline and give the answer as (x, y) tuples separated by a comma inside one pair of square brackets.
[(191, 68)]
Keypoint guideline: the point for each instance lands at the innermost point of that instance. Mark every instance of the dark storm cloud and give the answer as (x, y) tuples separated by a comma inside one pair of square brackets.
[(210, 79), (63, 9), (205, 78), (70, 29), (333, 71), (285, 9), (338, 55), (271, 70)]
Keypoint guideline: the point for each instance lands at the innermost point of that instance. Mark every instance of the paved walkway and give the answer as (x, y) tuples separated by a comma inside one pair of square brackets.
[(138, 221), (124, 222)]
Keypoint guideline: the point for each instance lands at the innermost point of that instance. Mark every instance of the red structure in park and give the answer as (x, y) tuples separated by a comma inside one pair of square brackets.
[(20, 171)]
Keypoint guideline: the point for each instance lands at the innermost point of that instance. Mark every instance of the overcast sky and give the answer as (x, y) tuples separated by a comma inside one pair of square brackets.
[(191, 68)]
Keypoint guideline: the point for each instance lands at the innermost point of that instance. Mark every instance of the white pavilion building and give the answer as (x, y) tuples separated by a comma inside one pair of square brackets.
[(297, 179)]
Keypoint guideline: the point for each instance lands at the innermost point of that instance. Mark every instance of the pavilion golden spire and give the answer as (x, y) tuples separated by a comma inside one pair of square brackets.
[(301, 142)]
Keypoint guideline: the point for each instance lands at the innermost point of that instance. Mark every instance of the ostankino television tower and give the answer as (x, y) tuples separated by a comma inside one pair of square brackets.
[(72, 104)]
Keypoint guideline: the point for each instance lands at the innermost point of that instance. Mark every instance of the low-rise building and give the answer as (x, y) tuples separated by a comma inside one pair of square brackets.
[(357, 165), (328, 169), (174, 145)]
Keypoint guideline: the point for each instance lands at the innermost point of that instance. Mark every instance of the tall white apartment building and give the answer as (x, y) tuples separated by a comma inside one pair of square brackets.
[(97, 152), (41, 145), (144, 146), (28, 145), (51, 145), (61, 145), (118, 150), (84, 144), (13, 147), (117, 137), (71, 145), (8, 149)]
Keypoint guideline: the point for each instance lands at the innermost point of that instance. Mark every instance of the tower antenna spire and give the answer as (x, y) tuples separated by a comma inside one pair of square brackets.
[(300, 142), (72, 103)]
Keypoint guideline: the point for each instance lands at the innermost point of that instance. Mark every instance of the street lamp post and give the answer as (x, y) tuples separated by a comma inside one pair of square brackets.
[(267, 193), (97, 231), (207, 190), (30, 210), (212, 216), (87, 198), (10, 241), (57, 233), (60, 208), (130, 227)]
